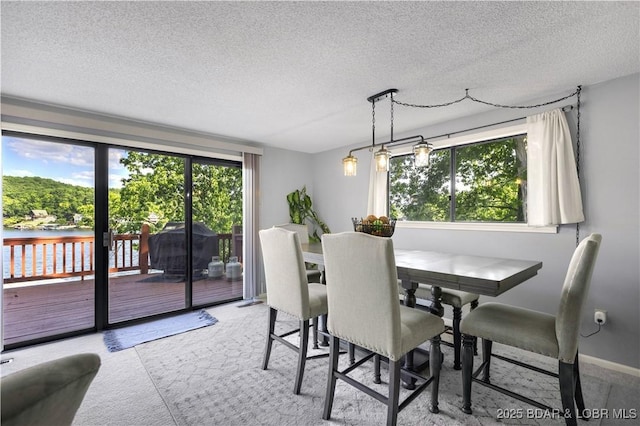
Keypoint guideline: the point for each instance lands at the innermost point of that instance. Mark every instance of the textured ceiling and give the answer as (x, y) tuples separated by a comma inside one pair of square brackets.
[(296, 75)]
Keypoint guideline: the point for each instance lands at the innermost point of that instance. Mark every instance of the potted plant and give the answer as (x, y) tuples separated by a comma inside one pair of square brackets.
[(301, 211)]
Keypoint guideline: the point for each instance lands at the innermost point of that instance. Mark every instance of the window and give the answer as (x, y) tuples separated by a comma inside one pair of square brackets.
[(484, 181)]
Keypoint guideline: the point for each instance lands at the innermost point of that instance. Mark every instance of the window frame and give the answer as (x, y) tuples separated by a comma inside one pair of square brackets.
[(468, 139)]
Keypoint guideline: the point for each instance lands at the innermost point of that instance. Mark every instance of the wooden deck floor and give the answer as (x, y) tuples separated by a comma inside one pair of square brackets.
[(35, 311)]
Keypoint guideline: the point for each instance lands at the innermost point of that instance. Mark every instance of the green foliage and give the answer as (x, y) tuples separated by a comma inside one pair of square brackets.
[(155, 186), (420, 193), (301, 211), (20, 195), (490, 184)]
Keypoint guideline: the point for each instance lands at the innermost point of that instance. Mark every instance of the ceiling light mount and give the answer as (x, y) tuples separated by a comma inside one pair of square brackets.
[(379, 96)]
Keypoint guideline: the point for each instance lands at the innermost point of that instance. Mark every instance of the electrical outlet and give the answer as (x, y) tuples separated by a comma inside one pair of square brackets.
[(600, 316)]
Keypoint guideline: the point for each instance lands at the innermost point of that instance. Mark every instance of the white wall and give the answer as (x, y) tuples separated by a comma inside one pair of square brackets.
[(282, 172), (610, 183)]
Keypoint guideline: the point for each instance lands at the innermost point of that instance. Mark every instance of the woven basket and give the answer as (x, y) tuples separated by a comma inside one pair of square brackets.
[(375, 228)]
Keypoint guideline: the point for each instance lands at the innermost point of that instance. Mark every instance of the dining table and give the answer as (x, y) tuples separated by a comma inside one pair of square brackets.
[(483, 275)]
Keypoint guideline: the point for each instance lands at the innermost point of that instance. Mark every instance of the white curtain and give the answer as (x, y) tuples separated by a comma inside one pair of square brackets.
[(378, 198), (252, 286), (553, 189)]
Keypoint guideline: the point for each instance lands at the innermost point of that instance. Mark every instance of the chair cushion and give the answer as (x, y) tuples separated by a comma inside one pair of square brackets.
[(416, 327), (514, 326), (317, 300)]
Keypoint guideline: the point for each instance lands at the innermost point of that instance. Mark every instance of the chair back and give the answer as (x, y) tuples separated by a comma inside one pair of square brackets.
[(285, 272), (49, 393), (300, 229), (362, 291), (574, 293)]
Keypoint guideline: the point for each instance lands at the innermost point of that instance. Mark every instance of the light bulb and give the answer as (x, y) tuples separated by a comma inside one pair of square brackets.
[(349, 164), (382, 160), (421, 153)]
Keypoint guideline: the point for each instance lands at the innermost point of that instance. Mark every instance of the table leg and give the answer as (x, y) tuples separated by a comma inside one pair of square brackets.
[(409, 301), (410, 293), (418, 359), (325, 339), (436, 307)]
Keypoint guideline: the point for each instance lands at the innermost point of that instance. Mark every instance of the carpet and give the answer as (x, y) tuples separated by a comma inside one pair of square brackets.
[(213, 376), (126, 337)]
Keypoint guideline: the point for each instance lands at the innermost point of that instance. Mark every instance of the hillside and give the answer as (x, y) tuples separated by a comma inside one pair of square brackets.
[(21, 195)]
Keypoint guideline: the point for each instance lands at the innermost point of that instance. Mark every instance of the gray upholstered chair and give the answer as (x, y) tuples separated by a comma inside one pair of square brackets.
[(289, 291), (457, 300), (314, 275), (49, 393), (555, 336), (363, 303)]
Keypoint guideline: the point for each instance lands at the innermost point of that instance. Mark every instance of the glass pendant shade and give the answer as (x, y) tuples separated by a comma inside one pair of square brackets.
[(349, 164), (382, 160), (421, 153)]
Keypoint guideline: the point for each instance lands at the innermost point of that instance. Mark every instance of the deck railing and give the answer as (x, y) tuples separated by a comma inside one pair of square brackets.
[(42, 258)]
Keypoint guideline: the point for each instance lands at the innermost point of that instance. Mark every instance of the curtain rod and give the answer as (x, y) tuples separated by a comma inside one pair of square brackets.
[(412, 138), (564, 109)]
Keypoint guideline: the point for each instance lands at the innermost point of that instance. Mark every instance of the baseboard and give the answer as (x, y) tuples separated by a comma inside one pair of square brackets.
[(610, 365)]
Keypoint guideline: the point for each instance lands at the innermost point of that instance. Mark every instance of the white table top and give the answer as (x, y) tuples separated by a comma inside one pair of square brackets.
[(488, 276)]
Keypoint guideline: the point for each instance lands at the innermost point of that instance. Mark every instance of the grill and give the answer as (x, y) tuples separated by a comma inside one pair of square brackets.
[(168, 252)]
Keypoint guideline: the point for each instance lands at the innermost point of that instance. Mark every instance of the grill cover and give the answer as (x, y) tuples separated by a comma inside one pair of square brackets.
[(167, 248)]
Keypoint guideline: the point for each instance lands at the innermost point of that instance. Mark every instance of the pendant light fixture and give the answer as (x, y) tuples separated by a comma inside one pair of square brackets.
[(421, 153), (382, 157), (350, 165)]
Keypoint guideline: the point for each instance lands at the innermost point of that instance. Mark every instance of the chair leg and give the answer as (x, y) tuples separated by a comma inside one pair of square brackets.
[(467, 372), (457, 338), (486, 359), (394, 392), (352, 353), (567, 387), (473, 305), (376, 369), (582, 413), (273, 313), (302, 355), (334, 351), (435, 364), (315, 332)]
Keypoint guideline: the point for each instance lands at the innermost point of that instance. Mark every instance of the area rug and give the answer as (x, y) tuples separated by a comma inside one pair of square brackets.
[(214, 376), (127, 337)]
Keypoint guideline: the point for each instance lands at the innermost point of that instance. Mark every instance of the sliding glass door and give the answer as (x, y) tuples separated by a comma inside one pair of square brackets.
[(95, 236), (147, 235), (216, 200), (47, 238)]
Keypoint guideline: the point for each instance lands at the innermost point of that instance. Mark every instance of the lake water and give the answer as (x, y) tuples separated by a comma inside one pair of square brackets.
[(12, 233)]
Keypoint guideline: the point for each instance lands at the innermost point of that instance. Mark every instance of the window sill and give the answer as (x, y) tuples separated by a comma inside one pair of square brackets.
[(474, 226)]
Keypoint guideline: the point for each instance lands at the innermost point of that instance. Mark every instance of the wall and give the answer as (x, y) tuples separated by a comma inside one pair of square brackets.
[(282, 172), (611, 187)]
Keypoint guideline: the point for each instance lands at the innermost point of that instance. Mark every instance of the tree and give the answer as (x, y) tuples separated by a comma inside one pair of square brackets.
[(490, 184), (420, 193), (155, 187)]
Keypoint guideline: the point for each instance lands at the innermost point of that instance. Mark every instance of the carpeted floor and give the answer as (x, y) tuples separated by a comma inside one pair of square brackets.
[(213, 376)]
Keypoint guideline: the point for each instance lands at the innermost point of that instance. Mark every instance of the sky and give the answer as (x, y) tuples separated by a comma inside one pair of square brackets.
[(71, 164)]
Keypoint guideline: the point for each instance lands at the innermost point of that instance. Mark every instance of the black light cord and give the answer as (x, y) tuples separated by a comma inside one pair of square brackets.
[(591, 334), (468, 96)]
